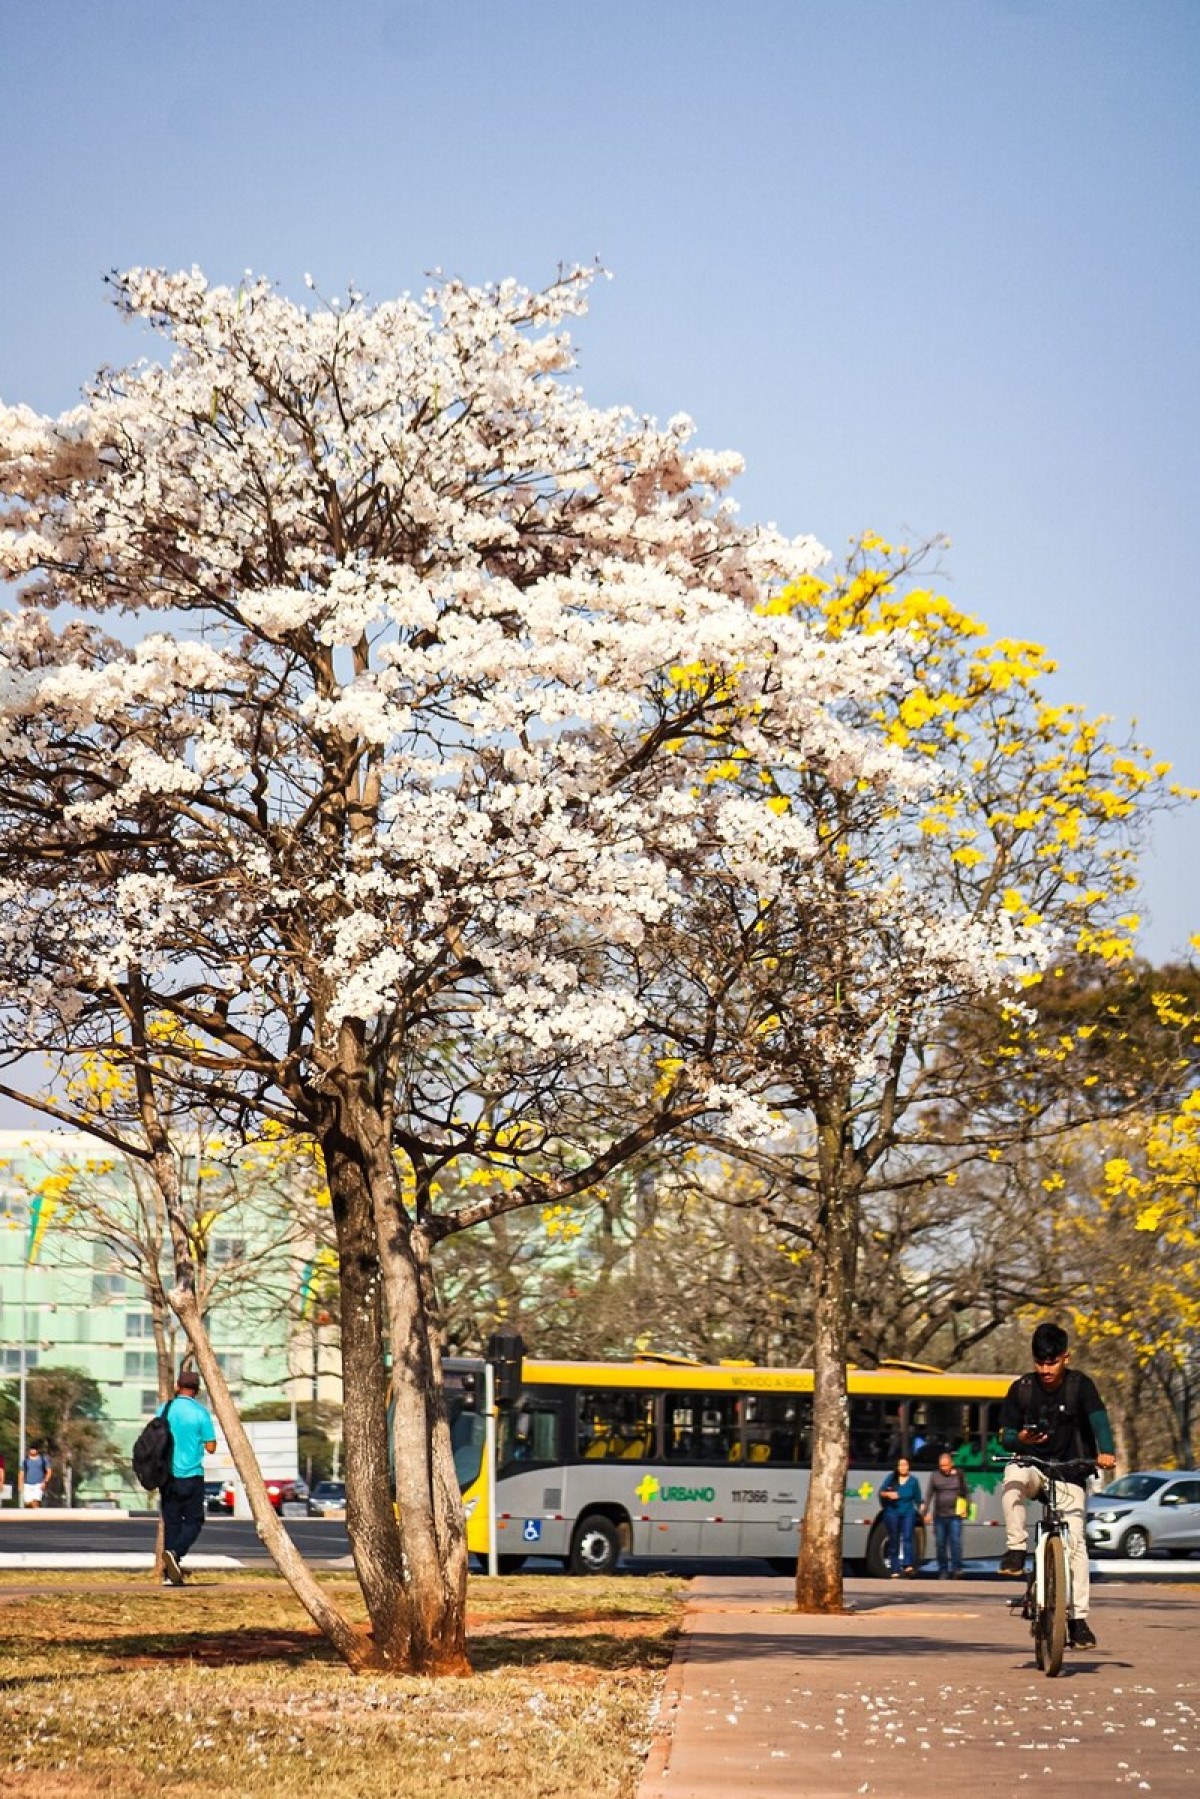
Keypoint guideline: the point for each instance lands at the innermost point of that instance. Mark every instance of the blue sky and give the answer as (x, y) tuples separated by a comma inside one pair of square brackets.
[(931, 265)]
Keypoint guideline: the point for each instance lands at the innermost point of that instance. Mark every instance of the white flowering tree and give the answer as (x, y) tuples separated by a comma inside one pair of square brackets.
[(392, 762)]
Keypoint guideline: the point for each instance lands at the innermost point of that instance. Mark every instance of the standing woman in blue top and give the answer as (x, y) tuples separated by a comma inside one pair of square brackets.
[(193, 1434), (901, 1502)]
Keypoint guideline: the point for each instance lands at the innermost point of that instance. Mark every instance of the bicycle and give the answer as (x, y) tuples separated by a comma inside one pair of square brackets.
[(1047, 1598)]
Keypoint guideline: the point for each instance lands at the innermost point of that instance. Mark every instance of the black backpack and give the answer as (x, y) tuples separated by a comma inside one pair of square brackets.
[(153, 1451)]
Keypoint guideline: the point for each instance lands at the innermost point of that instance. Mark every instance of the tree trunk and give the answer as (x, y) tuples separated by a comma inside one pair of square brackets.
[(375, 1540), (428, 1500), (1126, 1421), (819, 1585), (164, 1360)]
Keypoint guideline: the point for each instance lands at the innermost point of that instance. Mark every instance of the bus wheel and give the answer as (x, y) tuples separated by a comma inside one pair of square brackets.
[(596, 1548), (510, 1564), (876, 1562)]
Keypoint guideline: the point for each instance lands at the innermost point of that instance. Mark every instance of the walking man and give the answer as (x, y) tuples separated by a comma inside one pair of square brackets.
[(193, 1435), (1056, 1414), (35, 1472)]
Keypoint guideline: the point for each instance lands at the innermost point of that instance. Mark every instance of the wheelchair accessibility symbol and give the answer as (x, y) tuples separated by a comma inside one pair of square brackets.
[(532, 1530)]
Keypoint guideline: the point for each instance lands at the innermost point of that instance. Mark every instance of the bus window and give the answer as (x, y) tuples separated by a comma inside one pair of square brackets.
[(615, 1426), (700, 1427), (529, 1433), (467, 1432), (935, 1425), (464, 1397), (875, 1437), (994, 1454), (777, 1428)]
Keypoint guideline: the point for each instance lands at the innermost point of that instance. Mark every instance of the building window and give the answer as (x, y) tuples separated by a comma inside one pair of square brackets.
[(139, 1324), (225, 1250), (231, 1366), (10, 1360), (14, 1202), (150, 1400), (106, 1287), (141, 1364)]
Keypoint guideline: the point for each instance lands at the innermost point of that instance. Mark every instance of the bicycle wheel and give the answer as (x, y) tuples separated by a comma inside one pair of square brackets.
[(1053, 1619)]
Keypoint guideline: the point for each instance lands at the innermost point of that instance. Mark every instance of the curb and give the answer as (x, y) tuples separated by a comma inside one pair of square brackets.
[(662, 1728), (95, 1561), (59, 1514)]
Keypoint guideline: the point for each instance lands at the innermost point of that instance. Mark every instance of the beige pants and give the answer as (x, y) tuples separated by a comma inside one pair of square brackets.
[(1021, 1484)]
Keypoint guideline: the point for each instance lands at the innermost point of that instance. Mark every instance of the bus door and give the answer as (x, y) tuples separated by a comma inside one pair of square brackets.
[(698, 1509), (614, 1465), (983, 1462), (776, 1453), (463, 1383), (876, 1439), (962, 1427), (530, 1513)]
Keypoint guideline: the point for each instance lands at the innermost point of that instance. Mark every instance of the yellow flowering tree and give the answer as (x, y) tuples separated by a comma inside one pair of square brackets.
[(886, 1001), (1132, 1242)]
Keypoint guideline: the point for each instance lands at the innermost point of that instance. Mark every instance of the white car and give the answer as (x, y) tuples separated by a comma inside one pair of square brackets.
[(1155, 1513)]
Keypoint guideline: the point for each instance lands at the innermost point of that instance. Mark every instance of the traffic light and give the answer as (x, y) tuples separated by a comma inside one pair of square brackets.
[(505, 1351)]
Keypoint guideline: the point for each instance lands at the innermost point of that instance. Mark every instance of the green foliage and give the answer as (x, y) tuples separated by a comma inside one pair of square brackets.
[(65, 1414)]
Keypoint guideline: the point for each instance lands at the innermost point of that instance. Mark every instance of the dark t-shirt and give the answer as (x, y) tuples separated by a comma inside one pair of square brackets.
[(1065, 1415), (944, 1492)]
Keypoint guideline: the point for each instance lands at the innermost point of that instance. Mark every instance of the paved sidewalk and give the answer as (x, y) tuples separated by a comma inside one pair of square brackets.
[(925, 1689)]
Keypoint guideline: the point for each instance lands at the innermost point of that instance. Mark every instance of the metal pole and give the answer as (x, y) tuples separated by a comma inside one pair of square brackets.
[(489, 1456), (19, 1482)]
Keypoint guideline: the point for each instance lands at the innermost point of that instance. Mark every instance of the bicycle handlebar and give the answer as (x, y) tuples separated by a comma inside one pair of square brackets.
[(1037, 1461)]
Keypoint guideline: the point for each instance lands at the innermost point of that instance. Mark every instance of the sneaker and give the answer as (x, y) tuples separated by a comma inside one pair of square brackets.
[(894, 1576), (1082, 1635), (171, 1568), (1012, 1563)]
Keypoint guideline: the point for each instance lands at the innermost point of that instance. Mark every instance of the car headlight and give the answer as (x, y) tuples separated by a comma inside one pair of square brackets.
[(1108, 1517)]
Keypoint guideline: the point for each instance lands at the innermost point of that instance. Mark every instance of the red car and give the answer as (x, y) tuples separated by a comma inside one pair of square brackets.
[(279, 1492)]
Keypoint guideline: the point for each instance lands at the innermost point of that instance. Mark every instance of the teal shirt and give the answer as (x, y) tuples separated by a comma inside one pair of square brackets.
[(191, 1428), (908, 1496)]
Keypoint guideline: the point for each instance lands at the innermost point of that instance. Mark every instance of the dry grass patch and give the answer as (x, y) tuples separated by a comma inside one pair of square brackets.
[(124, 1689)]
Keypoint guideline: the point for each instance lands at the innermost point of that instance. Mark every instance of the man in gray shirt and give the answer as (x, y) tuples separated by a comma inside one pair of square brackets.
[(947, 1487)]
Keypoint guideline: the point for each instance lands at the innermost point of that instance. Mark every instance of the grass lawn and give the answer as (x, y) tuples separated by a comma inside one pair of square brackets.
[(223, 1688)]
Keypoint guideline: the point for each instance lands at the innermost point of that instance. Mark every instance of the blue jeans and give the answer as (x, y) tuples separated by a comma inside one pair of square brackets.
[(182, 1512), (899, 1527), (948, 1533)]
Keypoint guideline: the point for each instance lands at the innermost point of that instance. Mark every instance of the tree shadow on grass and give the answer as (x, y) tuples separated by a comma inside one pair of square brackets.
[(247, 1647), (244, 1647), (597, 1652)]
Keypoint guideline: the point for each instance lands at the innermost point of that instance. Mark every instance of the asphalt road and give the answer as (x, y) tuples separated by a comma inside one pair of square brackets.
[(324, 1540), (318, 1539)]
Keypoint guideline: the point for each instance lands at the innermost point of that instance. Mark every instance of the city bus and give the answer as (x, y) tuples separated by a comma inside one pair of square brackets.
[(661, 1457)]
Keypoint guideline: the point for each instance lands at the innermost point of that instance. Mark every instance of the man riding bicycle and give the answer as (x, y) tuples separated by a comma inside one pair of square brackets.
[(1057, 1415)]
